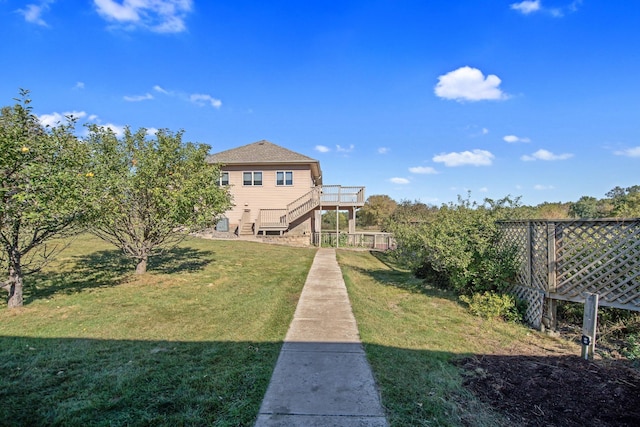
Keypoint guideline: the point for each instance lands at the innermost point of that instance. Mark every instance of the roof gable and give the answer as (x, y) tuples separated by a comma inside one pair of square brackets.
[(259, 152)]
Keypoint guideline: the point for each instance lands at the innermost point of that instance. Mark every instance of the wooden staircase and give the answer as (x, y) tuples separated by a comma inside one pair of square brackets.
[(246, 226)]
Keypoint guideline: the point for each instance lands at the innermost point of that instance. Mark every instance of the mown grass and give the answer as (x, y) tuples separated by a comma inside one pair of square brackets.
[(193, 342), (412, 333)]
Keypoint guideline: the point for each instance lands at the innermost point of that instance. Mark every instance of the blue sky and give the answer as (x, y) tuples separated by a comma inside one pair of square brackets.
[(419, 100)]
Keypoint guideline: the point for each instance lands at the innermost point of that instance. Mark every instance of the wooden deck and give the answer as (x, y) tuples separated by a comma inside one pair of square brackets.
[(324, 197)]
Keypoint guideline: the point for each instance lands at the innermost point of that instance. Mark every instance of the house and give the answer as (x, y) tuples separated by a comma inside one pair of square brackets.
[(279, 191)]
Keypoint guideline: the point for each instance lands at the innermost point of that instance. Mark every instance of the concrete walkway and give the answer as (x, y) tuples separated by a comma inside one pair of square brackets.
[(322, 377)]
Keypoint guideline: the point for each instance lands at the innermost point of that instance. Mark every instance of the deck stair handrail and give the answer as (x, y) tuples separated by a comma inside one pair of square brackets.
[(304, 204)]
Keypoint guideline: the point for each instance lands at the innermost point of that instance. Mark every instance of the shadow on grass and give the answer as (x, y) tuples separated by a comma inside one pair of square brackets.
[(110, 268), (82, 382), (181, 259), (63, 381), (401, 278), (165, 383)]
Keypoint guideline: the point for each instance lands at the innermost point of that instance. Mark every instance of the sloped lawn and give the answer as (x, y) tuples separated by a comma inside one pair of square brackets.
[(193, 342), (435, 364)]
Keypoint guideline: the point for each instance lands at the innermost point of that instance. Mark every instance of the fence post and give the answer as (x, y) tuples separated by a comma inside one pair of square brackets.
[(551, 320), (589, 325), (530, 253)]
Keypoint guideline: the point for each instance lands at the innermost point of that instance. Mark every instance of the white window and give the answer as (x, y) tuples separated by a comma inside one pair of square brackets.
[(224, 178), (252, 178), (284, 178)]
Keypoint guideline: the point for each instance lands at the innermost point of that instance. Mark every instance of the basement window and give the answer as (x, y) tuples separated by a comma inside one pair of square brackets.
[(284, 178)]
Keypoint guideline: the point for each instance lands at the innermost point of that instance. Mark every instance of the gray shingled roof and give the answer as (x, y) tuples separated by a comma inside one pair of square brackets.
[(259, 152)]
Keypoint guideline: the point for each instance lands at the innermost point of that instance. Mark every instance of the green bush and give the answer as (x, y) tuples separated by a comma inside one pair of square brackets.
[(457, 245), (491, 305), (631, 349)]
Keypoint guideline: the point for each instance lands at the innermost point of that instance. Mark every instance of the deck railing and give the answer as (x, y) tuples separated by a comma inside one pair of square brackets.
[(337, 195), (272, 218), (364, 240)]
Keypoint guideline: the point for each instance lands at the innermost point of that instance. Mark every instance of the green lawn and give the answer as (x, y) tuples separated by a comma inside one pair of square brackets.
[(411, 333), (194, 342)]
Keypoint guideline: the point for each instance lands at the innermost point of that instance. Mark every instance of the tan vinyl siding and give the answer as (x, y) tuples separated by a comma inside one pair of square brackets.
[(268, 195)]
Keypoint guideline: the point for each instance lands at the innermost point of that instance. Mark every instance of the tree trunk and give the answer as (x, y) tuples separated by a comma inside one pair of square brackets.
[(15, 288), (141, 268)]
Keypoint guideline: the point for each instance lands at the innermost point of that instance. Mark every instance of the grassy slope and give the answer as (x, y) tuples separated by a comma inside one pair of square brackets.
[(411, 334), (193, 342)]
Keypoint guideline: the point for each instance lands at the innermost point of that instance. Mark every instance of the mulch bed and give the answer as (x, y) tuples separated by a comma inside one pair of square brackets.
[(556, 390)]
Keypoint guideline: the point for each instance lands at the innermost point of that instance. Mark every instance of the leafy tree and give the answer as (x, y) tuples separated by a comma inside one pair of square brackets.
[(151, 191), (329, 220), (553, 210), (408, 212), (626, 202), (42, 194), (376, 210), (585, 207)]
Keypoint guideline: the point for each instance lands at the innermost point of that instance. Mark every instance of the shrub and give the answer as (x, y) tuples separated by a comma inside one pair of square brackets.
[(458, 245), (491, 305), (631, 349)]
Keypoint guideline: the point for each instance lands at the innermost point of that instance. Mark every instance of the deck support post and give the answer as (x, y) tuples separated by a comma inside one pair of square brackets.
[(352, 220)]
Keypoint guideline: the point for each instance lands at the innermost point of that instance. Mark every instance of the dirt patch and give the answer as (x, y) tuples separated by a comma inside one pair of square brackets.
[(534, 386)]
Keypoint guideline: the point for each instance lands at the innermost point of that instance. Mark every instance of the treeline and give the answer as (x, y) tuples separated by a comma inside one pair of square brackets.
[(380, 210)]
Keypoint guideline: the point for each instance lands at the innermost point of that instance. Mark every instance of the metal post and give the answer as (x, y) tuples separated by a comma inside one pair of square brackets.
[(589, 325)]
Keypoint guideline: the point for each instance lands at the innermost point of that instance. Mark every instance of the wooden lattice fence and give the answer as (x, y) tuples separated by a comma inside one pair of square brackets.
[(564, 259)]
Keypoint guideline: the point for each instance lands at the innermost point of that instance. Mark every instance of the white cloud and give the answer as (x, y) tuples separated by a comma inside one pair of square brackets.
[(469, 84), (483, 190), (424, 170), (55, 119), (348, 149), (117, 130), (475, 158), (629, 152), (203, 99), (322, 148), (79, 85), (512, 139), (160, 89), (137, 98), (33, 12), (383, 150), (541, 187), (200, 99), (475, 131), (161, 16), (401, 181), (546, 155), (526, 7), (152, 131)]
